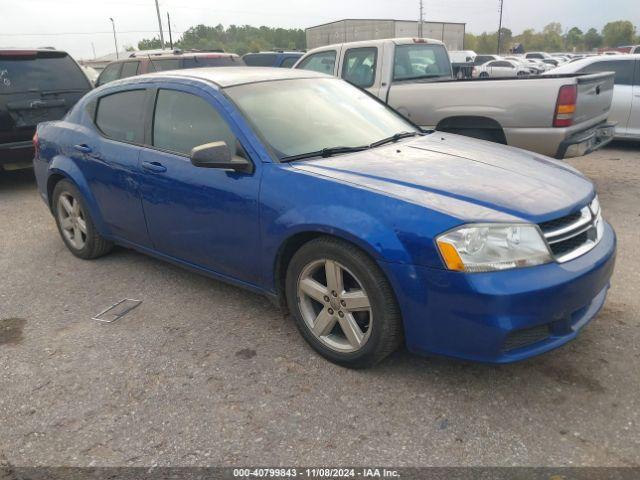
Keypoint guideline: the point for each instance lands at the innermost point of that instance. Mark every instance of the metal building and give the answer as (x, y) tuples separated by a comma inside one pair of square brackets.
[(353, 30)]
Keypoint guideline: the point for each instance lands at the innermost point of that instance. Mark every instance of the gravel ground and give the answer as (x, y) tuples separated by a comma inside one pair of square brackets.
[(203, 373)]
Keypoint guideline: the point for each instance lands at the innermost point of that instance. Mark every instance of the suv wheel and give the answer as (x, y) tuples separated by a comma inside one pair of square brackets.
[(74, 223), (342, 303)]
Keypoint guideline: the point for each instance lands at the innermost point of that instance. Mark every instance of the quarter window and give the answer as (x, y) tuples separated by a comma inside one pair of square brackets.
[(323, 62), (288, 62), (622, 68), (129, 69), (183, 121), (359, 66), (120, 116)]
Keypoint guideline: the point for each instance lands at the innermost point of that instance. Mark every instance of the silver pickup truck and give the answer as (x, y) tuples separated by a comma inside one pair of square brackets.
[(560, 116)]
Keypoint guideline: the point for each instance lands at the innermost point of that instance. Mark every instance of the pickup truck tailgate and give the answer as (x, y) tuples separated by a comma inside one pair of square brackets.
[(595, 93)]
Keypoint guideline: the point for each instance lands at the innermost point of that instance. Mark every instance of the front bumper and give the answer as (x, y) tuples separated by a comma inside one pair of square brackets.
[(586, 142), (502, 317)]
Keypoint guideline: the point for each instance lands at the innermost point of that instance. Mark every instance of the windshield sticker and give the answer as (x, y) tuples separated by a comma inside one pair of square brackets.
[(4, 76)]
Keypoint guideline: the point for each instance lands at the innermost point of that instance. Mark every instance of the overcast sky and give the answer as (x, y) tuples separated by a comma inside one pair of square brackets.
[(73, 25)]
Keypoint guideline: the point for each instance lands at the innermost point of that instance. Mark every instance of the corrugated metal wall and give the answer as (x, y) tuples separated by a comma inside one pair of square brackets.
[(452, 34)]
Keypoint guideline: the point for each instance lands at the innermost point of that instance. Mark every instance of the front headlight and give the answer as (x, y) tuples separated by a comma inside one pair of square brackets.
[(491, 247)]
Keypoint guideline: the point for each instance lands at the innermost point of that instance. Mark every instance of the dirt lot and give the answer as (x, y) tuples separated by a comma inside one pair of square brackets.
[(207, 374)]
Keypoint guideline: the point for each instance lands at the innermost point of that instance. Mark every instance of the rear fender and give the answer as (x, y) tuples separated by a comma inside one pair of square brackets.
[(62, 166)]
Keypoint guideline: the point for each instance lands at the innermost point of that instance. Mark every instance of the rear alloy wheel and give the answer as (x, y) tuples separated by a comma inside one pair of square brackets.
[(342, 303), (75, 224)]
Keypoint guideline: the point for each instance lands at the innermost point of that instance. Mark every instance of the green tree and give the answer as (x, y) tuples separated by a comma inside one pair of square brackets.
[(592, 39), (149, 44), (470, 42), (618, 33), (552, 37), (574, 39), (506, 39)]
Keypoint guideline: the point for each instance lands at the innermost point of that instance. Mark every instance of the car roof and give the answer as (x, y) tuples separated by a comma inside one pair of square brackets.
[(573, 67), (231, 76)]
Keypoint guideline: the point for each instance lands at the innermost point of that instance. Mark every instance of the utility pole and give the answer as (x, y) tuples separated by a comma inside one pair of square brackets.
[(500, 29), (169, 25), (421, 19), (160, 25), (115, 40)]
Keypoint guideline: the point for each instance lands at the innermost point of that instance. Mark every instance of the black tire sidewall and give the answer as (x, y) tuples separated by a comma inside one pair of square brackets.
[(361, 267), (66, 186)]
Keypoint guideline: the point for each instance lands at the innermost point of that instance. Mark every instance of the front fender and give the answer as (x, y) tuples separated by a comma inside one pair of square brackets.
[(63, 166)]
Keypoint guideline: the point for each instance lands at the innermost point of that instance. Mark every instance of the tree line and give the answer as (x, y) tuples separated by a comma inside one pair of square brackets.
[(553, 38), (235, 38)]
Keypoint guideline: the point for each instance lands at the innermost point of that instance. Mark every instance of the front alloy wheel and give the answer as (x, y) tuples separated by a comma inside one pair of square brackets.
[(334, 305), (342, 303)]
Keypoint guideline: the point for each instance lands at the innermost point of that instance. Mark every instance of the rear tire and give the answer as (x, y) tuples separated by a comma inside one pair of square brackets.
[(484, 75), (352, 320), (75, 225)]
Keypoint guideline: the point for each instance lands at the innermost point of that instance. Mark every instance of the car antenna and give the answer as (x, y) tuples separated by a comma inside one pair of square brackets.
[(154, 65)]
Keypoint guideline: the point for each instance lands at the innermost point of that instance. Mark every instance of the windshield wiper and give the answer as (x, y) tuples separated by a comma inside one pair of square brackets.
[(325, 152), (393, 138)]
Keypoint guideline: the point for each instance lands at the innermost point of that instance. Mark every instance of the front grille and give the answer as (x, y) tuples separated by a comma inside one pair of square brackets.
[(575, 234), (527, 336)]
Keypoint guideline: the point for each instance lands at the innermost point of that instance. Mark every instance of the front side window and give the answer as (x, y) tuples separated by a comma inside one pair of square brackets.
[(420, 60), (323, 62), (120, 116), (300, 116), (183, 121), (110, 73), (359, 66), (166, 64), (129, 69), (622, 68)]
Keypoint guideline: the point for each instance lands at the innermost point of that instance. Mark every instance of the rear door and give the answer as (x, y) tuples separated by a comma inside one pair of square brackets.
[(633, 127), (110, 73), (36, 86), (622, 92)]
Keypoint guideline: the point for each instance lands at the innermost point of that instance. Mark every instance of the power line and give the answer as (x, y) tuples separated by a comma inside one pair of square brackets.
[(75, 33)]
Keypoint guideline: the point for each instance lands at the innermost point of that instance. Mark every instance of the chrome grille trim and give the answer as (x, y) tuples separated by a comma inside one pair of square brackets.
[(590, 222)]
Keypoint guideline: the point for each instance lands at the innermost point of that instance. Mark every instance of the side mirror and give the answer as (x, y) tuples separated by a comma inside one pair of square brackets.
[(218, 155)]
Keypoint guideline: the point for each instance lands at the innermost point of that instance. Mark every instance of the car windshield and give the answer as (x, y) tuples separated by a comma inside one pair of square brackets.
[(300, 116)]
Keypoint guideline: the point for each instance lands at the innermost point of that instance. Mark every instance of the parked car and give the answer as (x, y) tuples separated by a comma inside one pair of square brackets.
[(558, 117), (538, 55), (625, 108), (157, 61), (482, 59), (306, 189), (35, 86), (527, 65), (279, 59), (500, 69), (91, 73), (462, 63)]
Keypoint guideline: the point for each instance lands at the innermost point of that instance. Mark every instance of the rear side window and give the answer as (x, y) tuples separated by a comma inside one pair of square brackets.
[(482, 59), (288, 62), (260, 59), (161, 65), (42, 71), (359, 66), (182, 121), (622, 68), (129, 69), (120, 116), (420, 61), (323, 62), (110, 73), (213, 61)]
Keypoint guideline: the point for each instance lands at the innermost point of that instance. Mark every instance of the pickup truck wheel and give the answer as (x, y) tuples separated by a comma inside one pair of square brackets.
[(74, 223), (342, 303)]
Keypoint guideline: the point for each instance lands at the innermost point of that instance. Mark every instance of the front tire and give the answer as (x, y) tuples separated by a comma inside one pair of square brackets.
[(342, 303), (75, 224)]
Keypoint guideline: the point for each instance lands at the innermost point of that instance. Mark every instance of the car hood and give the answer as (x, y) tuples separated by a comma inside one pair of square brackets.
[(464, 177)]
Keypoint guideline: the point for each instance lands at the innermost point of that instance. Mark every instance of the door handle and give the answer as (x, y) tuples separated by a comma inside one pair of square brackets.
[(83, 148), (154, 167)]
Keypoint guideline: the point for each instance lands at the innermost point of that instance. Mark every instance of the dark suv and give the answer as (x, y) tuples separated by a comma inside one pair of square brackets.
[(155, 61), (279, 59), (35, 86)]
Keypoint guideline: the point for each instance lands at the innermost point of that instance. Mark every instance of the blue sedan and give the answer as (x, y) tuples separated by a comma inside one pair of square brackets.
[(368, 230)]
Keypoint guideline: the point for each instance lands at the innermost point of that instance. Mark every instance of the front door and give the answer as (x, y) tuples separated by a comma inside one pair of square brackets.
[(203, 216)]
